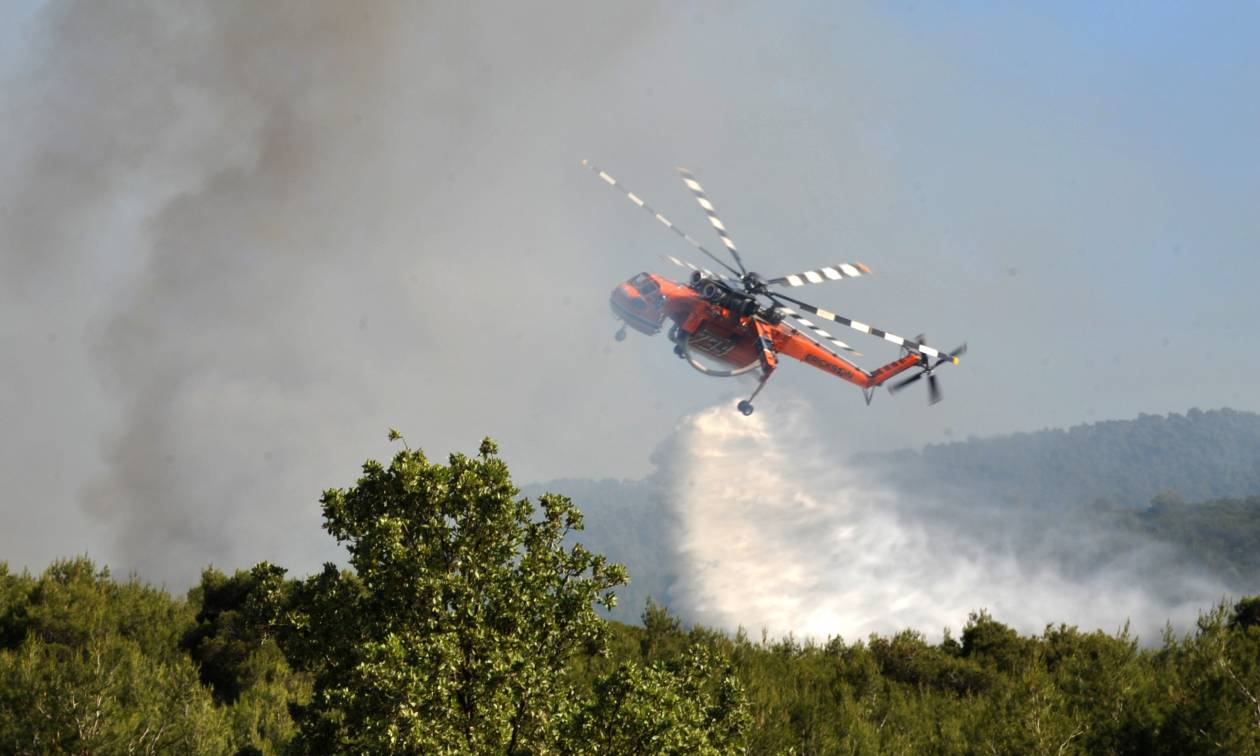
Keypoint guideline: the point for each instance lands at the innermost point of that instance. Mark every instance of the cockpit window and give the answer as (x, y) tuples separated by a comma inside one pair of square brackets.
[(644, 283)]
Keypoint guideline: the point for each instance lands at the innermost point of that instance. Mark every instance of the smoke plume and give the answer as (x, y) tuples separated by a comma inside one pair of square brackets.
[(244, 240)]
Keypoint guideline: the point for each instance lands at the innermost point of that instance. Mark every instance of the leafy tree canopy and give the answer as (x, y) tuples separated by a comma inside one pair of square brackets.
[(464, 607)]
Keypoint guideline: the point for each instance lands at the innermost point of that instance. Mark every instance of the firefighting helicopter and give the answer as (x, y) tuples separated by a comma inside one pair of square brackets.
[(723, 328)]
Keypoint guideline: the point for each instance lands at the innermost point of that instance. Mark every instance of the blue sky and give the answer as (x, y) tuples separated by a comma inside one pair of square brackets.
[(1069, 187)]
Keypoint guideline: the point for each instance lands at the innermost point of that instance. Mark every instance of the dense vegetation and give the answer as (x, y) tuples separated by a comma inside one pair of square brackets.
[(94, 665), (467, 625)]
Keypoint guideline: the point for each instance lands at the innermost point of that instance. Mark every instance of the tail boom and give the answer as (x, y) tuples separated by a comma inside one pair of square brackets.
[(800, 348)]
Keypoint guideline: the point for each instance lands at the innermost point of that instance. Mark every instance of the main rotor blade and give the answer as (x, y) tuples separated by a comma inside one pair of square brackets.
[(816, 331), (692, 266), (664, 221), (900, 341), (711, 212), (829, 273)]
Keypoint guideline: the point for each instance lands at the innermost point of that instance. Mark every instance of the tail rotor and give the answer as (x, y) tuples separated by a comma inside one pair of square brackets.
[(929, 370)]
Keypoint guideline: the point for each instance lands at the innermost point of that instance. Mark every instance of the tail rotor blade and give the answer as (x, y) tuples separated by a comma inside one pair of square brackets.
[(899, 385), (934, 390)]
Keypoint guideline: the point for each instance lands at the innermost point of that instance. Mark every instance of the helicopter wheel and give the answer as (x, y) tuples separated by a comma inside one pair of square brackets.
[(620, 335), (678, 350), (745, 407)]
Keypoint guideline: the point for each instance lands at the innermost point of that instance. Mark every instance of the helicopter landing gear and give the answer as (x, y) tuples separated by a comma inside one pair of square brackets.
[(620, 335), (768, 363), (746, 407), (680, 351)]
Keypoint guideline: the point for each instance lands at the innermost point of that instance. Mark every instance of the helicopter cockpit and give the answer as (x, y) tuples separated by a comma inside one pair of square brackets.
[(640, 304)]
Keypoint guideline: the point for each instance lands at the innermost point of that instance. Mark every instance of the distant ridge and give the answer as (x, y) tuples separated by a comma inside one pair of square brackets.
[(1120, 463)]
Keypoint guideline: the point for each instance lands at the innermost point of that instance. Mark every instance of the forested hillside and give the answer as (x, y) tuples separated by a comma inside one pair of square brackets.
[(1199, 456), (1222, 536)]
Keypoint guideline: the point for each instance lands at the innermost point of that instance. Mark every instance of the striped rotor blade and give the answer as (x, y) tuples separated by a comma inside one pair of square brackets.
[(711, 213), (815, 331), (691, 266), (828, 273), (652, 211), (900, 341)]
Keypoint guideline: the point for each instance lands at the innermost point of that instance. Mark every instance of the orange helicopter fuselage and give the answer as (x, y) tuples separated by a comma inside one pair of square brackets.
[(732, 337)]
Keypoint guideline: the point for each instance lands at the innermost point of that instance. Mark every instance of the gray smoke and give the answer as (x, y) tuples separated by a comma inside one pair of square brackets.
[(773, 533), (269, 233)]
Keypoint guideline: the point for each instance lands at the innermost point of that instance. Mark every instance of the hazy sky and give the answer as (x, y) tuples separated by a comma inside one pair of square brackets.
[(240, 240)]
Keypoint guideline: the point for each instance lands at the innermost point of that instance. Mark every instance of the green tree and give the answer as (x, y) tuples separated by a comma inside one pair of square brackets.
[(455, 629), (235, 619), (234, 643), (1212, 682), (693, 705), (90, 665), (993, 644)]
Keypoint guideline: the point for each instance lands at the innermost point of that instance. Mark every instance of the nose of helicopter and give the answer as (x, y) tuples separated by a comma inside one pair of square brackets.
[(630, 306)]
